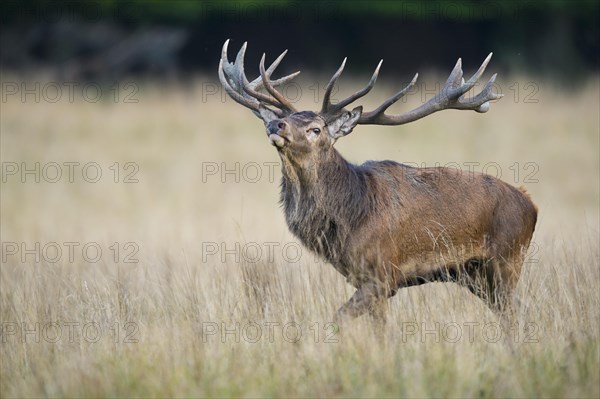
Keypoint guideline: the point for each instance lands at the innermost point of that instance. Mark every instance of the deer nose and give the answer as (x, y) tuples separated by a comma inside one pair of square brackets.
[(276, 126)]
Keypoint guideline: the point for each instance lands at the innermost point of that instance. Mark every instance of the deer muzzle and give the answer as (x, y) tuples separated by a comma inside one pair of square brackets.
[(277, 132)]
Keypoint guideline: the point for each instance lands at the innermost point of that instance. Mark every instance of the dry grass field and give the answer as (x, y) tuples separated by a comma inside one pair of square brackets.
[(173, 274)]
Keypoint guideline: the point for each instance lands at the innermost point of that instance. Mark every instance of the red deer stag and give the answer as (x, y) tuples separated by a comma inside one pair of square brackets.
[(384, 225)]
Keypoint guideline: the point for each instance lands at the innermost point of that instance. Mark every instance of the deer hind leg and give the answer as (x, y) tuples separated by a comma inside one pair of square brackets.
[(494, 280), (507, 273)]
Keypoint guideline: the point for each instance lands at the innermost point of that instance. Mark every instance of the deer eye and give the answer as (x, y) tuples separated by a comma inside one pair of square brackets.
[(316, 130)]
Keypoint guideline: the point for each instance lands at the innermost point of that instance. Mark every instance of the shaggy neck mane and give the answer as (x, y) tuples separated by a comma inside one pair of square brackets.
[(324, 201)]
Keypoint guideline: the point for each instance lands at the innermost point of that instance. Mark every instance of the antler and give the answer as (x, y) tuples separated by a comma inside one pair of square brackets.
[(450, 97), (331, 109), (234, 81)]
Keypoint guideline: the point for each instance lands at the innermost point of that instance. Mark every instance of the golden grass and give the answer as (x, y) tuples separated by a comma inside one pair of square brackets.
[(185, 285)]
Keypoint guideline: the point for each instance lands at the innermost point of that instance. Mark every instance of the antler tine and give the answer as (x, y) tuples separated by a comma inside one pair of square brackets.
[(327, 106), (451, 97), (257, 84), (285, 104), (456, 86), (390, 101), (238, 66), (226, 64), (360, 93), (471, 82), (275, 63), (481, 102), (456, 76), (233, 93), (283, 80)]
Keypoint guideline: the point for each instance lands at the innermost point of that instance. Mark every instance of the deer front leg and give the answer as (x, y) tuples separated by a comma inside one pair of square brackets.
[(367, 298)]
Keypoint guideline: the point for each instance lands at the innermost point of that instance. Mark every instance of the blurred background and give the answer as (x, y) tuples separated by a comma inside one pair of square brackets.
[(113, 39), (115, 134)]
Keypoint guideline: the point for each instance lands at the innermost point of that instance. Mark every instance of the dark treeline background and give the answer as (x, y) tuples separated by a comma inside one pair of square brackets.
[(106, 39)]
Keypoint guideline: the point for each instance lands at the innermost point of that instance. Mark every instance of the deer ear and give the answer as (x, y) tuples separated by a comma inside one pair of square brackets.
[(266, 114), (344, 124)]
